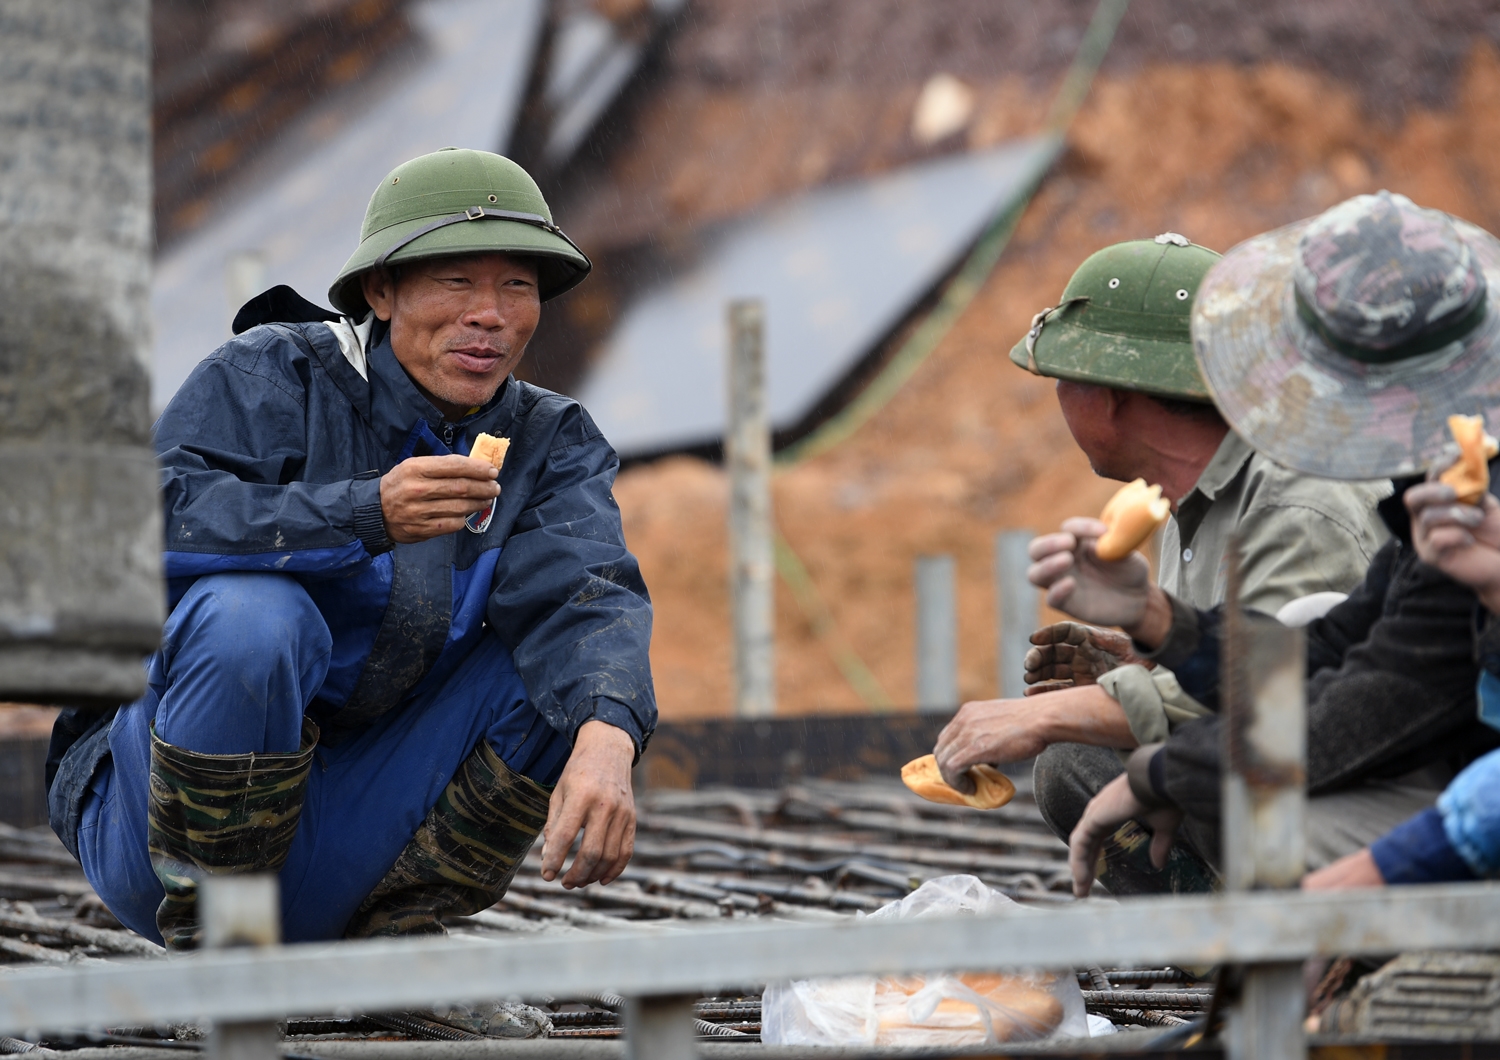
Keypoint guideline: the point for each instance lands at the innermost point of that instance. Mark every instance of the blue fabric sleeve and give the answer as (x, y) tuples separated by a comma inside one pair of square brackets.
[(230, 444), (1418, 851), (569, 600), (1471, 814)]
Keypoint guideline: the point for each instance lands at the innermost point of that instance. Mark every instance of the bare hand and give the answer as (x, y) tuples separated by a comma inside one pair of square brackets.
[(428, 496), (1073, 653), (1347, 873), (1461, 540), (1080, 583), (592, 795), (1106, 812), (990, 731)]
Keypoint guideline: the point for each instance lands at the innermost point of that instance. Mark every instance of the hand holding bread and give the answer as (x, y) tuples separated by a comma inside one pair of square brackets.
[(992, 788), (1079, 583)]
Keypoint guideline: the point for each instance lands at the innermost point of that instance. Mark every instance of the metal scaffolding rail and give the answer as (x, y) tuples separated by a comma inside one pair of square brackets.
[(269, 983)]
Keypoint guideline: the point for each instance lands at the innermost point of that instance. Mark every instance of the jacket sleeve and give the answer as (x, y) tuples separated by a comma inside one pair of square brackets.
[(569, 600), (1192, 647), (1404, 695), (230, 444), (1392, 688)]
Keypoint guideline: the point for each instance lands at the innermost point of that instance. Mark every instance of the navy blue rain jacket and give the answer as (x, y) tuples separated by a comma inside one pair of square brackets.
[(271, 455)]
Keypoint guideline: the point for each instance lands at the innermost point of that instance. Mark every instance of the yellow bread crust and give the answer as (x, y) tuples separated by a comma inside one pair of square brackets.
[(1470, 477), (1132, 516), (992, 788), (490, 449), (1029, 1010)]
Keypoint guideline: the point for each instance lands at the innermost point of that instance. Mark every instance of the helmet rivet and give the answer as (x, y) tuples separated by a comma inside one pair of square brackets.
[(1114, 283), (395, 180), (1182, 294), (494, 199)]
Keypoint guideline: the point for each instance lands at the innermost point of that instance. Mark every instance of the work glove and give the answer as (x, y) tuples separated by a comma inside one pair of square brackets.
[(1073, 653)]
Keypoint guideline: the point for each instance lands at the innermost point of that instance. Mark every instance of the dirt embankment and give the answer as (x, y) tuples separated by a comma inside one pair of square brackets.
[(1215, 150)]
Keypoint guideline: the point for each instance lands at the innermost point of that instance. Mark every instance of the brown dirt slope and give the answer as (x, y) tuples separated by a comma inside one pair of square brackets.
[(1218, 150)]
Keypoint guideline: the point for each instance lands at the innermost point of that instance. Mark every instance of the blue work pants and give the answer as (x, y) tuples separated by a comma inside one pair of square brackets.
[(242, 657)]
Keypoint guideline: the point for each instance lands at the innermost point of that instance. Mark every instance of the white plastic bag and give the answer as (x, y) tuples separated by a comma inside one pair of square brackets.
[(951, 1010)]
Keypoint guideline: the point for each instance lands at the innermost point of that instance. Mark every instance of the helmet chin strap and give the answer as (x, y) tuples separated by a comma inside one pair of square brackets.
[(479, 213), (1040, 321)]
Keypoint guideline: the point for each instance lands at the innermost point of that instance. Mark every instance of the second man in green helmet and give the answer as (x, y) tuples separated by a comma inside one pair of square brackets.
[(1118, 344)]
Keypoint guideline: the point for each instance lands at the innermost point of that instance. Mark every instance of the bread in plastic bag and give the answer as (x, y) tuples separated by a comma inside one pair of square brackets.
[(962, 1008)]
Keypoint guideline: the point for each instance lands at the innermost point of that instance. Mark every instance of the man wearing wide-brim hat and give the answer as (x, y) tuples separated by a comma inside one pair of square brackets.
[(1338, 346), (1120, 348), (387, 664)]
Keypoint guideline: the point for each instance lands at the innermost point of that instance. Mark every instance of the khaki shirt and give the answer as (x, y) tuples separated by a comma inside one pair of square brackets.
[(1298, 535)]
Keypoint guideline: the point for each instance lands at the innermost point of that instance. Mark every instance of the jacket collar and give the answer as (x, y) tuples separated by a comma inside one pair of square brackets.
[(1228, 463), (398, 408)]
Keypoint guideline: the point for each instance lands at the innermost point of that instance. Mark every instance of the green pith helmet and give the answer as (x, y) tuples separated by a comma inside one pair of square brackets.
[(458, 201), (1124, 320)]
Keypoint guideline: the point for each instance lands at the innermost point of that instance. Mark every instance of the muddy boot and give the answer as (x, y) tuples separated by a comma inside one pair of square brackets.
[(464, 854), (219, 815), (1128, 869)]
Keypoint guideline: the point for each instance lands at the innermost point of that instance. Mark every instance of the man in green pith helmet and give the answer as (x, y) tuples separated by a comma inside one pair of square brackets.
[(1119, 346), (388, 666)]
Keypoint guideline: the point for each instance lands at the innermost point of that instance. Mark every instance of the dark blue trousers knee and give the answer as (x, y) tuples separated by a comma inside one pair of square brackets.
[(242, 658)]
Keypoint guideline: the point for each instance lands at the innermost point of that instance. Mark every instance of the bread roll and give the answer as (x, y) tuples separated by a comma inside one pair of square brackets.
[(1019, 1010), (1132, 515), (490, 449), (1470, 477), (992, 788)]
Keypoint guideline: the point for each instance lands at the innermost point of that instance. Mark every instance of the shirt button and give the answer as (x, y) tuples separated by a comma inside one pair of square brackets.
[(1187, 555)]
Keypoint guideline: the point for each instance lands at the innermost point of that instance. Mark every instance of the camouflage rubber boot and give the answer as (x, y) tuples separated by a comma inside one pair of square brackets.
[(219, 815), (464, 854)]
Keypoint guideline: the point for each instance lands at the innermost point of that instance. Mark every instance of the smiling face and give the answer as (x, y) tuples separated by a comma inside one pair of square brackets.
[(458, 325)]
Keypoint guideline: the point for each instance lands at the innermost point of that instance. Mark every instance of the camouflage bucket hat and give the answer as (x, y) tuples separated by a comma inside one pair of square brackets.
[(1123, 321), (1340, 345), (457, 201)]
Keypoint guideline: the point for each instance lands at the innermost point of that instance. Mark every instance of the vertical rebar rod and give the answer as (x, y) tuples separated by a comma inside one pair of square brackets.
[(747, 455), (660, 1028), (1016, 607), (937, 635), (241, 911), (1264, 807), (81, 601)]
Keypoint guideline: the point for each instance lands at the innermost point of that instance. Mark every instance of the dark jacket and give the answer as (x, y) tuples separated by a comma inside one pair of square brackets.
[(271, 458), (1390, 681)]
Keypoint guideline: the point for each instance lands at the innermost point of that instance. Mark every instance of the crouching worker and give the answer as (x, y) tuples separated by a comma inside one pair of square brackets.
[(387, 667), (1132, 394)]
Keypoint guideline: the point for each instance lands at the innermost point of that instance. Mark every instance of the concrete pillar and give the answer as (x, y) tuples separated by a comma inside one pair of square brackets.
[(1016, 607), (81, 597), (937, 635), (660, 1028), (752, 565), (1264, 808), (241, 911)]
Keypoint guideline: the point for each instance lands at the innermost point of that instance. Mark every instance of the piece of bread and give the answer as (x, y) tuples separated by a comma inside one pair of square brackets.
[(1018, 1010), (1470, 477), (1132, 515), (490, 449), (992, 788)]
